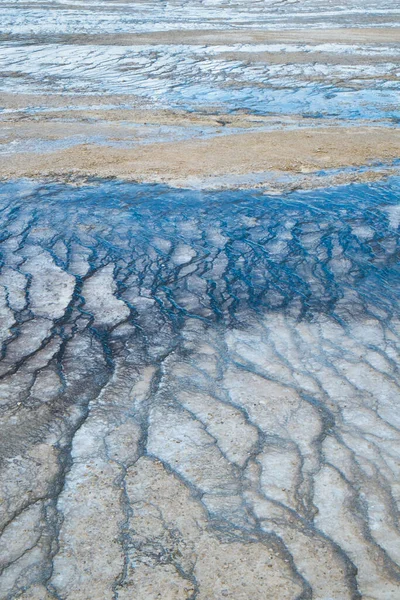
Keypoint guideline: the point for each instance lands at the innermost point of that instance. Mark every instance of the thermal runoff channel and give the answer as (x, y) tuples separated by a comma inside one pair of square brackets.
[(208, 379)]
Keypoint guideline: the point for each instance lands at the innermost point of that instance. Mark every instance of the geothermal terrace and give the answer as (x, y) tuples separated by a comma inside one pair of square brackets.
[(199, 300)]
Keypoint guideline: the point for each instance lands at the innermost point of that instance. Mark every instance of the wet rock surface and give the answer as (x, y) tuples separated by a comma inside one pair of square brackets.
[(199, 300), (199, 393), (159, 91)]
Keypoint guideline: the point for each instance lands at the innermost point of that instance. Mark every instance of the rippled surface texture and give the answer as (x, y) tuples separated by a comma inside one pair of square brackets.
[(199, 300), (99, 89), (200, 392)]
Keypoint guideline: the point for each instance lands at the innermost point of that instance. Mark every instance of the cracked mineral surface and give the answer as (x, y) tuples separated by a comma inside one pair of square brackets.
[(199, 392), (199, 300)]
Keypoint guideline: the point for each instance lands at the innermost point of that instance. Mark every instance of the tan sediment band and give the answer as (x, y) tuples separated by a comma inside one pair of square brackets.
[(292, 151), (311, 56), (377, 35), (13, 101), (61, 112)]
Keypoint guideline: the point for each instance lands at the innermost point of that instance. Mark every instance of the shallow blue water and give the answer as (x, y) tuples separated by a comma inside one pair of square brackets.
[(316, 101), (331, 250)]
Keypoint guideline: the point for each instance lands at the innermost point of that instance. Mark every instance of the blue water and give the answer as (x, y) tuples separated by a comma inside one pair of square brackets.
[(330, 251)]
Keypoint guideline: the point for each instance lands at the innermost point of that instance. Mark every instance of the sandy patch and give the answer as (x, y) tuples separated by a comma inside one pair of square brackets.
[(293, 151), (349, 35)]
